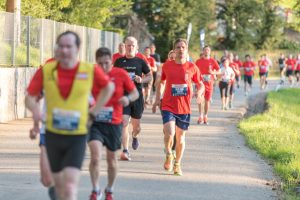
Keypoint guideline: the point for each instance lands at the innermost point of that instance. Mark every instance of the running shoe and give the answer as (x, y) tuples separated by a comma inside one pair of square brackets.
[(108, 195), (169, 162), (135, 143), (125, 155), (205, 121), (174, 153), (95, 195), (200, 120), (177, 169), (51, 193)]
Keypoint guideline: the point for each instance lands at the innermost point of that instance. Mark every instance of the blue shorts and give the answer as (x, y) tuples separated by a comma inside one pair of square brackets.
[(42, 139), (182, 121)]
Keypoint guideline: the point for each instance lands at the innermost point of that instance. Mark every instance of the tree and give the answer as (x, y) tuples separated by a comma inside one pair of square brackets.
[(169, 19)]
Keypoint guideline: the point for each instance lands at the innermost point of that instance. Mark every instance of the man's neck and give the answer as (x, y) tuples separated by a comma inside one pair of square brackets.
[(207, 57), (129, 56), (69, 65), (180, 60)]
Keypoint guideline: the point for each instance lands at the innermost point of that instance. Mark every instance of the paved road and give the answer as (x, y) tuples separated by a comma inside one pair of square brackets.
[(217, 163)]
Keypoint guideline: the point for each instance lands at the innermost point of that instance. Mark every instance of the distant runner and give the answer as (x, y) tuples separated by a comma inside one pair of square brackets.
[(248, 69)]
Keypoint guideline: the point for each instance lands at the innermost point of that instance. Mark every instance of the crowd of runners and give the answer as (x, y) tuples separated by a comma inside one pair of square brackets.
[(75, 104)]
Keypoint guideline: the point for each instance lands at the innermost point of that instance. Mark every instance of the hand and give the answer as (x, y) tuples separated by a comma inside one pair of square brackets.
[(200, 98), (138, 79), (156, 104), (124, 101), (34, 131), (91, 119)]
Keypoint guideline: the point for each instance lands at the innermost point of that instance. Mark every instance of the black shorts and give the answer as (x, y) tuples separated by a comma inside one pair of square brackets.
[(224, 86), (136, 108), (248, 79), (65, 150), (237, 78), (110, 135), (289, 73), (232, 88), (154, 80), (262, 74)]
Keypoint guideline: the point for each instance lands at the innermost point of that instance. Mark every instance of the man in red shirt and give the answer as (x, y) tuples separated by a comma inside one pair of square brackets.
[(177, 77), (236, 70), (107, 127), (263, 65), (297, 71), (239, 63), (121, 52), (248, 68), (208, 67), (289, 69), (66, 141), (153, 68)]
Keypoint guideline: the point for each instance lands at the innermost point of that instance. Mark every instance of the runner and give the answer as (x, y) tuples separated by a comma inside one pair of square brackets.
[(237, 61), (136, 68), (208, 68), (177, 77), (236, 70), (67, 110), (148, 86), (297, 71), (121, 52), (107, 127), (289, 69), (227, 78), (248, 68), (281, 62), (263, 65)]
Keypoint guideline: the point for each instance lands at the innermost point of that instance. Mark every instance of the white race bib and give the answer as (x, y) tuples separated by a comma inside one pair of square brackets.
[(105, 115), (131, 75), (179, 90), (206, 77), (65, 119)]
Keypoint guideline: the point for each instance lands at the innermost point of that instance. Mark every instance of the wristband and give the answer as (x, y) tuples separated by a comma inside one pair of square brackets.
[(129, 99)]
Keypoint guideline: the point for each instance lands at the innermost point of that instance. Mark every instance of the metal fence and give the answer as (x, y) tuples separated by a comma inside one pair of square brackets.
[(27, 41)]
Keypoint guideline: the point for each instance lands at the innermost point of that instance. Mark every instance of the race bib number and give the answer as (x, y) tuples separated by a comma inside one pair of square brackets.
[(105, 115), (206, 77), (66, 119), (179, 90), (131, 75), (248, 69)]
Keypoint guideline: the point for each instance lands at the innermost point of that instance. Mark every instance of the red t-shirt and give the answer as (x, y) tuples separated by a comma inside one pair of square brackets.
[(263, 66), (290, 63), (235, 68), (139, 55), (298, 65), (249, 67), (65, 81), (239, 63), (151, 61), (178, 90), (116, 56), (204, 64), (122, 83)]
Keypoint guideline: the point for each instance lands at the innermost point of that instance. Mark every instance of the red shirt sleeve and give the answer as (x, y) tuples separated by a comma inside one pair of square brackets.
[(128, 83), (100, 80), (197, 75), (163, 74), (36, 84), (216, 65)]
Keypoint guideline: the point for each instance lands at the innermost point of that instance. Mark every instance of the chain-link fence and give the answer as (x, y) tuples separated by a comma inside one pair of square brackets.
[(27, 41)]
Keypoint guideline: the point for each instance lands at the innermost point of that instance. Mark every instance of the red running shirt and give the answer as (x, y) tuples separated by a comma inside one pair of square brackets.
[(290, 63), (249, 68), (116, 56), (263, 66), (122, 83), (203, 65), (151, 61), (178, 90)]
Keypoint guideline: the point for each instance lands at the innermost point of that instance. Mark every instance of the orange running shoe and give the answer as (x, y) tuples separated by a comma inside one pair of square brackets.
[(169, 162)]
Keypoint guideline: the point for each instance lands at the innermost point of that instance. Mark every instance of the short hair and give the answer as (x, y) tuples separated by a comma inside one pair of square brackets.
[(180, 40), (247, 55), (206, 46), (103, 51), (146, 48), (77, 38), (223, 59), (152, 44), (132, 39)]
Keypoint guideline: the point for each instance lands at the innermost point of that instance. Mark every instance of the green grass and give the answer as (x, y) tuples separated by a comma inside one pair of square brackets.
[(275, 134)]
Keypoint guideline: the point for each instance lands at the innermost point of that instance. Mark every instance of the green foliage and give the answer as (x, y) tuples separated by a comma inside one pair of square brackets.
[(251, 24), (275, 134), (169, 19)]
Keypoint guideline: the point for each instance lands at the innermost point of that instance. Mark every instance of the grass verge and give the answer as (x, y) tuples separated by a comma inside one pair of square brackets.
[(275, 134)]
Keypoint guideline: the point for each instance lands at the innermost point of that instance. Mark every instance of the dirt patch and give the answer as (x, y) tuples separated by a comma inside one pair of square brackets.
[(256, 104)]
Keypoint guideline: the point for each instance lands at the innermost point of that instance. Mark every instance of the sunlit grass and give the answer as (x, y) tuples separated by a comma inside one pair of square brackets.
[(276, 135)]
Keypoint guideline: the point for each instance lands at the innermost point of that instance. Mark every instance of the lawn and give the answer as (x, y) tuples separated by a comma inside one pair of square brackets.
[(275, 134)]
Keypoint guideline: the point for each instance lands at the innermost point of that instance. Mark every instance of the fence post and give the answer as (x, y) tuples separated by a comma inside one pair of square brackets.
[(28, 41), (42, 41), (13, 49)]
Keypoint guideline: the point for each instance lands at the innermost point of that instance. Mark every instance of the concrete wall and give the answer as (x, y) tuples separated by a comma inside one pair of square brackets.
[(13, 84)]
